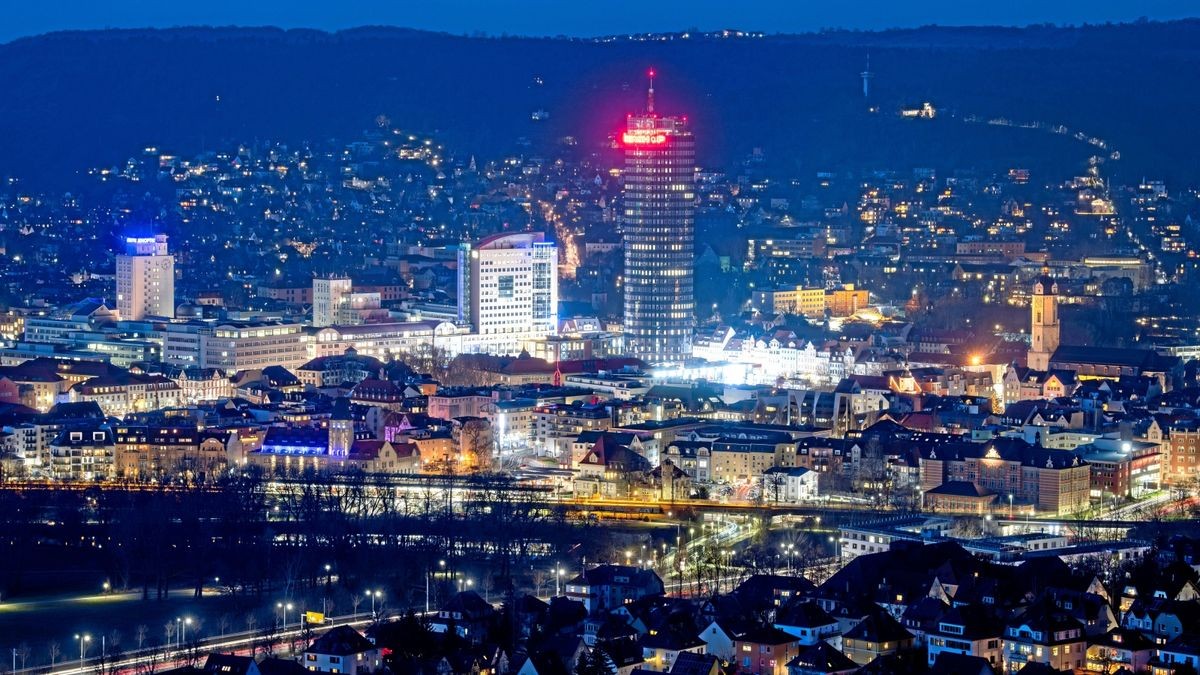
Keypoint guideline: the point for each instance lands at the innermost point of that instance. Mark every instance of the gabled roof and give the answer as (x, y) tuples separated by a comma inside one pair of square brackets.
[(341, 641), (691, 663), (878, 627), (469, 603), (822, 658), (608, 453), (1142, 359), (766, 635), (960, 488), (607, 575), (977, 623), (759, 590), (1049, 620), (228, 664), (803, 615), (277, 666)]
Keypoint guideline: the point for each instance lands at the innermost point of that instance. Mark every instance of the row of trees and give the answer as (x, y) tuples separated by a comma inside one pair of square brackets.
[(261, 536)]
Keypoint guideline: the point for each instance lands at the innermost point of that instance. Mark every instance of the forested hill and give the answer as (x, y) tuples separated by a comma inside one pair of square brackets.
[(78, 99)]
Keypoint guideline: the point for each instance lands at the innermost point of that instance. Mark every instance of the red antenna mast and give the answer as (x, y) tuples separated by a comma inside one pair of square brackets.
[(650, 94)]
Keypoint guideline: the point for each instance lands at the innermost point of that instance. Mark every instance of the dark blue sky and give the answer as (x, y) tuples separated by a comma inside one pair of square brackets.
[(570, 17)]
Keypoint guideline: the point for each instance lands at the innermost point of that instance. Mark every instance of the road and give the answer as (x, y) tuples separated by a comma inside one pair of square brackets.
[(239, 643), (117, 616)]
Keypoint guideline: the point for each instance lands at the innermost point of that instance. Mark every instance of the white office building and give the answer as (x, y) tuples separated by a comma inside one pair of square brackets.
[(328, 295), (145, 279), (335, 303), (513, 288), (231, 347)]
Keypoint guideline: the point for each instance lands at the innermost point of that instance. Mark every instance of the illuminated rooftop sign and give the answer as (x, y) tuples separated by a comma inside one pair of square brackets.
[(644, 137)]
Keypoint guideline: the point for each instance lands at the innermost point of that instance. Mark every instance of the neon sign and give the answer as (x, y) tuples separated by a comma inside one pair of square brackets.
[(643, 137)]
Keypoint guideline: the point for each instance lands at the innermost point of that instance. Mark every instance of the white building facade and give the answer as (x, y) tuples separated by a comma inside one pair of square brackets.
[(513, 289), (145, 279)]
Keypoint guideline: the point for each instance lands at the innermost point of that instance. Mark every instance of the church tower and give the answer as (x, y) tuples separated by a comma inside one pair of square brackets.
[(1044, 326), (341, 428)]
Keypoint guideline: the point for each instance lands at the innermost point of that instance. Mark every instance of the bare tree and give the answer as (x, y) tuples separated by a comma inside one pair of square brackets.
[(141, 634), (540, 576), (223, 623), (23, 651), (114, 640), (269, 640), (773, 485), (148, 664), (53, 650)]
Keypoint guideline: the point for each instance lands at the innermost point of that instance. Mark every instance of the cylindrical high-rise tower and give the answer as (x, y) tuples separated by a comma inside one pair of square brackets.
[(659, 236)]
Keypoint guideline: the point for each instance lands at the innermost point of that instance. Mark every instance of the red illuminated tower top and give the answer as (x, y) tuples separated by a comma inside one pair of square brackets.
[(648, 129)]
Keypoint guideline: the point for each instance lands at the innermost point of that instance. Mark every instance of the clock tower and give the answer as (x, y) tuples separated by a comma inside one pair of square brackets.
[(1044, 326)]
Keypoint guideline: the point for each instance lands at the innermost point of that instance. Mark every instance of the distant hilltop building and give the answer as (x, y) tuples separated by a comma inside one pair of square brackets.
[(924, 111), (659, 235), (145, 279)]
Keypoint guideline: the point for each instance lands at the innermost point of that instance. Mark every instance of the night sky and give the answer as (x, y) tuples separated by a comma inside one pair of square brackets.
[(570, 17)]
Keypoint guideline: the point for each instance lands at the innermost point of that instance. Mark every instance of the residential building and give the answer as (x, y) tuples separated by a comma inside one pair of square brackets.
[(83, 452), (607, 587), (879, 634), (1044, 634), (764, 650), (1051, 481), (157, 452), (342, 650), (967, 630), (466, 615), (790, 485), (334, 371)]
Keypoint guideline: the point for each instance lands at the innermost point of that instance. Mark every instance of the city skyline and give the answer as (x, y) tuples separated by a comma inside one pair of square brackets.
[(397, 353)]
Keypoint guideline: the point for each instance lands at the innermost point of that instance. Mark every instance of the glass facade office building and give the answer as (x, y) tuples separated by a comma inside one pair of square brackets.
[(658, 221)]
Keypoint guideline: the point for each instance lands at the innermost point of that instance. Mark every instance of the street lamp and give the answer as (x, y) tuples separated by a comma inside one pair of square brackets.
[(184, 622), (284, 608), (1010, 506), (372, 595), (557, 581), (107, 586), (83, 640)]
